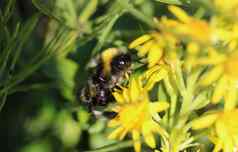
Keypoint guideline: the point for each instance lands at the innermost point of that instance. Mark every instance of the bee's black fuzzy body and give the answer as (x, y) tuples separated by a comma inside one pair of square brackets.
[(97, 92)]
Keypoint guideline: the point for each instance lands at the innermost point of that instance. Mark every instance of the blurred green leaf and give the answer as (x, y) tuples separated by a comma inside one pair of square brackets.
[(24, 34), (43, 120), (9, 10), (31, 87), (105, 32), (66, 10), (11, 52), (177, 2), (136, 13), (3, 99), (38, 146), (67, 129), (88, 10), (48, 11), (67, 70), (113, 147)]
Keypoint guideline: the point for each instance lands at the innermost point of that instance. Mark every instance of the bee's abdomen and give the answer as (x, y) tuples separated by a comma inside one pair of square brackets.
[(102, 95), (99, 76)]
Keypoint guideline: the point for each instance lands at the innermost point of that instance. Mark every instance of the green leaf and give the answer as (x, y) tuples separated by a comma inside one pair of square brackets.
[(42, 145), (66, 11), (63, 70), (44, 54), (47, 10), (105, 33), (35, 86), (137, 13), (24, 36), (174, 2), (9, 10), (3, 100), (88, 10), (113, 147)]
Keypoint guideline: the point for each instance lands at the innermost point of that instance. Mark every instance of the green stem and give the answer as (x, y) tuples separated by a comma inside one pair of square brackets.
[(3, 100), (105, 33), (88, 11), (136, 13), (113, 147), (173, 101)]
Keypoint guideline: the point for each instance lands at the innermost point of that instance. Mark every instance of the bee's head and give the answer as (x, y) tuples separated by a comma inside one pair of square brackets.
[(121, 62)]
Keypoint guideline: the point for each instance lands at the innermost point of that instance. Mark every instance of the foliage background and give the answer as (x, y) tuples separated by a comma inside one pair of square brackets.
[(45, 45)]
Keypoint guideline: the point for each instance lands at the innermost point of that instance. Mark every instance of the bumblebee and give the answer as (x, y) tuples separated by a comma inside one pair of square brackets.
[(111, 68)]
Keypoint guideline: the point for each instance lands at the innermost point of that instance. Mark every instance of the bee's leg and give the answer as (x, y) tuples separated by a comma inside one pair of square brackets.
[(109, 114), (117, 87), (92, 109), (127, 74)]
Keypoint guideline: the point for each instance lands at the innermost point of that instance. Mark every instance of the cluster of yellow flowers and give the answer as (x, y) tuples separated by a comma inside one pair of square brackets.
[(195, 64)]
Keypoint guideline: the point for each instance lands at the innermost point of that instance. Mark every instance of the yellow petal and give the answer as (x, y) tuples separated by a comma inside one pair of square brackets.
[(211, 75), (134, 89), (231, 97), (160, 130), (217, 146), (113, 123), (158, 106), (156, 77), (148, 136), (126, 94), (236, 140), (219, 91), (154, 55), (210, 60), (136, 139), (139, 41), (151, 70), (179, 13), (222, 133), (118, 97), (123, 134), (150, 140), (116, 133), (231, 65), (204, 122), (143, 50)]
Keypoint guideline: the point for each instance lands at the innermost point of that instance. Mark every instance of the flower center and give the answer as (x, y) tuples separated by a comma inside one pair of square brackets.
[(133, 115)]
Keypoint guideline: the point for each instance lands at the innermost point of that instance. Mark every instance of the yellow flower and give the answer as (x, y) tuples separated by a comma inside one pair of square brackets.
[(136, 115), (150, 45), (225, 71), (224, 32), (225, 129), (165, 46), (154, 45), (228, 8), (154, 75), (187, 27)]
